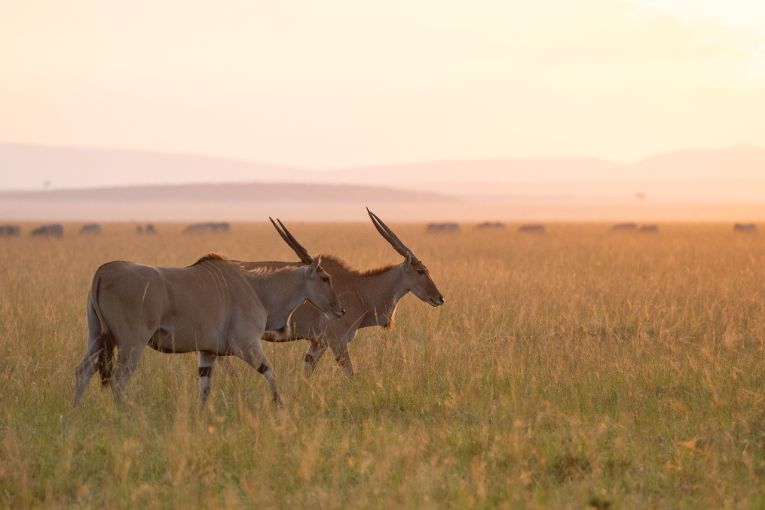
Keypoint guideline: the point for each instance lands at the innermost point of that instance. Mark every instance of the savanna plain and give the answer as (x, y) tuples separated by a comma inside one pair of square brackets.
[(578, 368)]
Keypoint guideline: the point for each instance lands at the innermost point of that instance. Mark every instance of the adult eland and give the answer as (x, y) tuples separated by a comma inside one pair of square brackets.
[(215, 307), (370, 299)]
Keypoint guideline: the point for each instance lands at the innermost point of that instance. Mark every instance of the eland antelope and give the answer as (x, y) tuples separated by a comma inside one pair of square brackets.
[(52, 230), (443, 227), (490, 225), (91, 228), (747, 228), (533, 228), (369, 298), (215, 307), (624, 227), (10, 230), (147, 229), (196, 228)]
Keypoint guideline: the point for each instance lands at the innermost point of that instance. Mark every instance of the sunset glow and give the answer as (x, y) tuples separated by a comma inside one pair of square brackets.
[(343, 83)]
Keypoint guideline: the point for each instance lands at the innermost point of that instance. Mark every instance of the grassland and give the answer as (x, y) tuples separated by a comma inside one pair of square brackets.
[(572, 369)]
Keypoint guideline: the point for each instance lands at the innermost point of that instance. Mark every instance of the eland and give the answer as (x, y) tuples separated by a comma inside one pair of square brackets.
[(746, 228), (10, 231), (196, 228), (624, 227), (91, 228), (649, 229), (443, 227), (532, 228), (214, 307), (490, 225), (369, 298), (51, 230)]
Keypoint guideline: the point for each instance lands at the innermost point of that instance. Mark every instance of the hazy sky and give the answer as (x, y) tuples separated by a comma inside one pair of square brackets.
[(343, 82)]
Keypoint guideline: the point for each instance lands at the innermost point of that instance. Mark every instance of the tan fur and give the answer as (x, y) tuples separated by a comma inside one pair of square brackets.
[(213, 306)]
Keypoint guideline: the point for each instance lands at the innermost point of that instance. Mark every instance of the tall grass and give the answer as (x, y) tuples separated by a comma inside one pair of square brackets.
[(572, 369)]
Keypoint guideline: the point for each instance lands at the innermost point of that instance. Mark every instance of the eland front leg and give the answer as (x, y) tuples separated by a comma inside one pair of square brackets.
[(315, 351), (342, 356)]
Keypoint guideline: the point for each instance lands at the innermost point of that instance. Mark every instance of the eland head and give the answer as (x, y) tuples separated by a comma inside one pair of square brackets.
[(417, 278), (318, 283)]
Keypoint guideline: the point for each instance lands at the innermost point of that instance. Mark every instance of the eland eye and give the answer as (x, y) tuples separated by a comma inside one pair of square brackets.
[(325, 279), (421, 271)]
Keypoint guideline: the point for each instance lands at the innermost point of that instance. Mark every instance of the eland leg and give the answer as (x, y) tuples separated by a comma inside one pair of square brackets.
[(206, 362), (315, 351), (255, 357), (94, 353), (87, 367), (127, 360), (342, 356)]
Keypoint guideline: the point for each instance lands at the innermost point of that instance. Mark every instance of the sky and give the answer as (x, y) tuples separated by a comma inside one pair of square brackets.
[(340, 83)]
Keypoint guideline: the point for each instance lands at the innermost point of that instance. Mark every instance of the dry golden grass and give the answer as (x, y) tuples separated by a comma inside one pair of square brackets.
[(572, 369)]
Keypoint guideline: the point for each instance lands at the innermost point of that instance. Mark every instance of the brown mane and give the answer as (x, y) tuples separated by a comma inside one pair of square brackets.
[(208, 257), (331, 264)]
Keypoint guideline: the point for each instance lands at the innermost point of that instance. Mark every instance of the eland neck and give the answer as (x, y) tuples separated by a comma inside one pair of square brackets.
[(380, 293), (280, 291)]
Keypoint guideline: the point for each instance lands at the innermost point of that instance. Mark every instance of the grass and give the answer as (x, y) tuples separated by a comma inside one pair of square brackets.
[(580, 368)]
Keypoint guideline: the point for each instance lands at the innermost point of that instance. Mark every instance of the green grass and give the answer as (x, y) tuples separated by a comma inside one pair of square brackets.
[(578, 368)]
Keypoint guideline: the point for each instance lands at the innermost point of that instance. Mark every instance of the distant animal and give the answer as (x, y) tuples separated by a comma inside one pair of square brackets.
[(745, 228), (147, 229), (91, 228), (196, 228), (51, 230), (10, 231), (624, 227), (649, 229), (443, 227), (532, 229), (490, 225), (215, 307), (369, 297)]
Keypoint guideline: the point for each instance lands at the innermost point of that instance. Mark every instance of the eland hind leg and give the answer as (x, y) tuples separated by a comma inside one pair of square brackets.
[(255, 357), (127, 360), (87, 367), (206, 362), (94, 355)]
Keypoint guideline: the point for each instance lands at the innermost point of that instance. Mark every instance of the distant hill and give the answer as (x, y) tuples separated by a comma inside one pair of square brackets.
[(696, 184), (237, 192), (734, 164), (730, 175), (744, 163), (30, 166), (227, 201), (25, 166)]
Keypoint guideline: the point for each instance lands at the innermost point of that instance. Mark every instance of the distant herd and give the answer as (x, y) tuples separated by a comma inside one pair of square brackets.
[(57, 230)]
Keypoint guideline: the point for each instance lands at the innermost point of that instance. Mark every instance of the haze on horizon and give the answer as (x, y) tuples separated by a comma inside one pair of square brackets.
[(345, 83)]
